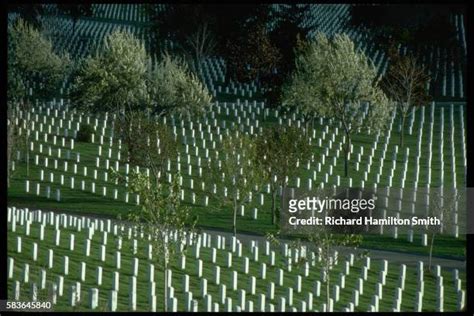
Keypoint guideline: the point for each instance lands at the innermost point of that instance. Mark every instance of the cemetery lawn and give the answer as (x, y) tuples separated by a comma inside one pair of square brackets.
[(92, 262), (214, 216)]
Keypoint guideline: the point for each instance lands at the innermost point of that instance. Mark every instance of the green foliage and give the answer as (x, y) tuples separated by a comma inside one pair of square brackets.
[(114, 79), (278, 149), (31, 56), (150, 143), (237, 172), (174, 89), (334, 79), (84, 134)]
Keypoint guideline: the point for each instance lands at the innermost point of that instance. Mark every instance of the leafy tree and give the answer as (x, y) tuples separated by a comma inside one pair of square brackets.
[(31, 57), (333, 79), (278, 149), (443, 204), (151, 144), (326, 244), (114, 79), (174, 89), (41, 63), (160, 215), (405, 83), (237, 174)]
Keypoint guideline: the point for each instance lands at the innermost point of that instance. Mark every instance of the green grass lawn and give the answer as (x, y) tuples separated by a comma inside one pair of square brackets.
[(92, 262), (219, 217)]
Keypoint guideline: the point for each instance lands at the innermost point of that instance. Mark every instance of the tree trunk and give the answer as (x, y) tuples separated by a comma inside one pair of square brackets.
[(402, 131), (273, 206), (328, 288), (234, 224), (166, 281), (431, 252), (27, 155), (347, 148)]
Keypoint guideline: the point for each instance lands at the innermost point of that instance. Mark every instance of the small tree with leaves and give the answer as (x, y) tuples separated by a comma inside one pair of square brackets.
[(236, 175), (443, 204), (405, 83), (31, 56), (333, 79), (326, 244), (162, 216), (174, 89), (279, 149)]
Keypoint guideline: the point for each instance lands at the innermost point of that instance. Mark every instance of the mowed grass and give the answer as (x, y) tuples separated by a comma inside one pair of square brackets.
[(92, 262), (217, 216)]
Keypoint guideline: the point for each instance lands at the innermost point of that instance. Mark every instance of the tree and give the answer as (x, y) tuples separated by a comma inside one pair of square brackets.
[(223, 24), (236, 175), (285, 36), (174, 89), (334, 80), (161, 215), (326, 244), (443, 204), (114, 80), (189, 27), (252, 55), (278, 149), (405, 83), (151, 144), (26, 65), (12, 137), (41, 63)]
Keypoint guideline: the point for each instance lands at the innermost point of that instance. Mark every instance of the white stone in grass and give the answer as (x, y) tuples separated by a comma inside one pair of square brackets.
[(132, 290), (246, 265), (203, 287), (199, 268), (103, 253), (234, 282), (213, 255), (112, 302), (83, 272), (50, 258), (279, 277), (317, 288), (188, 299), (281, 304), (263, 271), (18, 244), (217, 275), (135, 264), (71, 242), (35, 251), (271, 290), (94, 298), (242, 299), (229, 260), (98, 276), (60, 284), (11, 267), (222, 294)]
